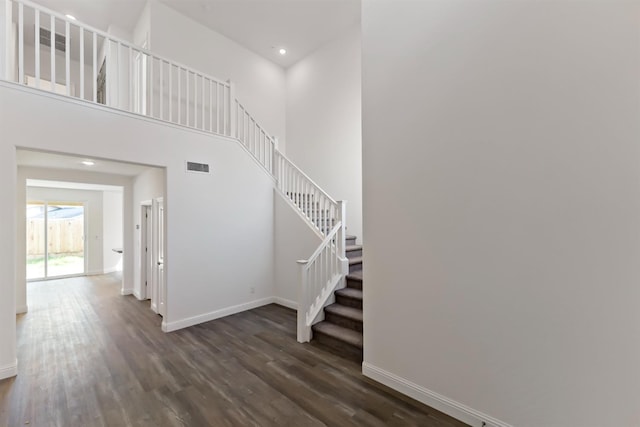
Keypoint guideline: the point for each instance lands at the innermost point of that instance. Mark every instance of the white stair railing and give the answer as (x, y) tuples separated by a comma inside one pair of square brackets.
[(254, 138), (104, 69), (101, 68), (320, 276), (317, 207)]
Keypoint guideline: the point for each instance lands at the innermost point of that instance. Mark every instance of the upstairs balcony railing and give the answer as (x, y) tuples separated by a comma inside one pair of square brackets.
[(65, 56)]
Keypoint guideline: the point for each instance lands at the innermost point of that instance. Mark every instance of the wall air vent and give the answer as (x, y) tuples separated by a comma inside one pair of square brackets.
[(45, 40), (197, 167)]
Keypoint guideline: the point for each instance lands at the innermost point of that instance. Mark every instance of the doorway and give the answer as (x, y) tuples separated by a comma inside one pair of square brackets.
[(146, 251), (55, 239), (160, 282), (152, 272)]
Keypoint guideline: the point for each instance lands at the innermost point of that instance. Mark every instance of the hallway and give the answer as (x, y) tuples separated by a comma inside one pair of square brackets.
[(90, 357)]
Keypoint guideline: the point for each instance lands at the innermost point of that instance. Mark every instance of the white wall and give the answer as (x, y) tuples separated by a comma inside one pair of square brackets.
[(294, 240), (8, 362), (112, 222), (76, 176), (260, 83), (142, 28), (220, 226), (94, 240), (324, 135), (147, 186), (502, 200)]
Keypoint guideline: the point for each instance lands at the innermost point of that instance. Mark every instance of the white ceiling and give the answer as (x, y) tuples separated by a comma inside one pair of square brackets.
[(41, 159), (99, 13), (263, 26)]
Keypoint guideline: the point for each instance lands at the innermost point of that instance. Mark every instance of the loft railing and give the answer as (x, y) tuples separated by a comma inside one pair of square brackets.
[(103, 69), (65, 56)]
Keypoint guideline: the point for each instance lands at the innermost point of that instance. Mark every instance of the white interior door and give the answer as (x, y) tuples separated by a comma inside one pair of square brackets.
[(161, 288), (146, 251)]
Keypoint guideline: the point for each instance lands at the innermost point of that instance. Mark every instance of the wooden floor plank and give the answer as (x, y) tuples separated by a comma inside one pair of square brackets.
[(91, 357)]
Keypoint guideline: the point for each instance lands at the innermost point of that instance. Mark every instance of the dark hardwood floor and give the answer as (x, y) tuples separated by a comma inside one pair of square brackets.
[(90, 357)]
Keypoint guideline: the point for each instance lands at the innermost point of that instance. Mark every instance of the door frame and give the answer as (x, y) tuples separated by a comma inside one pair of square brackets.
[(146, 249), (160, 259), (85, 229)]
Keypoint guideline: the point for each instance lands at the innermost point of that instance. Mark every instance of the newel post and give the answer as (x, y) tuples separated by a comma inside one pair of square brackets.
[(304, 331), (342, 232), (233, 110), (275, 167)]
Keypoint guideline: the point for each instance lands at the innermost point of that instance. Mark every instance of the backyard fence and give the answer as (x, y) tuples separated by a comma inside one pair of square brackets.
[(66, 236)]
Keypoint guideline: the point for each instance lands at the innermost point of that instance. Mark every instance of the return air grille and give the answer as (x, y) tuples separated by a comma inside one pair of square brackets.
[(197, 167), (45, 40)]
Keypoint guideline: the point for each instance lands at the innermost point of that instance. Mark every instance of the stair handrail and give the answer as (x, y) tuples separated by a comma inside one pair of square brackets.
[(319, 276), (318, 208), (301, 172), (254, 138)]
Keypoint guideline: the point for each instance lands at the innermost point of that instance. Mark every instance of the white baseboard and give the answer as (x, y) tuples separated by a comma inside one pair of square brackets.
[(443, 404), (95, 273), (126, 291), (206, 317), (112, 270), (21, 309), (137, 295), (9, 371), (286, 303)]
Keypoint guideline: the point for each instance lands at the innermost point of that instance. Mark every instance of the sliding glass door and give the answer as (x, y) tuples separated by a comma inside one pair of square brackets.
[(36, 241), (55, 239)]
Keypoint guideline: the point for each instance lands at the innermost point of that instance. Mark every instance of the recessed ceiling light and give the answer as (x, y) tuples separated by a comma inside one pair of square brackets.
[(283, 51), (88, 162), (73, 18)]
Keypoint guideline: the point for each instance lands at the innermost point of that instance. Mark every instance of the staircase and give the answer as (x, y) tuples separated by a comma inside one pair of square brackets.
[(341, 329)]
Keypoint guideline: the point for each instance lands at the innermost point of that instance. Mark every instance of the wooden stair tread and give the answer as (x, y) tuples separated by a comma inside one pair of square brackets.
[(348, 336), (348, 236), (351, 248), (350, 293), (355, 260), (344, 311), (356, 275)]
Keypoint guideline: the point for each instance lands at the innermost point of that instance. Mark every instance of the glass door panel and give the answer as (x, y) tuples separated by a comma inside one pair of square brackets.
[(36, 239), (55, 239), (65, 239)]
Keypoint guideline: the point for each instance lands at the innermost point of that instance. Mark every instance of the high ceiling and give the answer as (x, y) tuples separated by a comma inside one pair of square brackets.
[(263, 26), (99, 13)]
